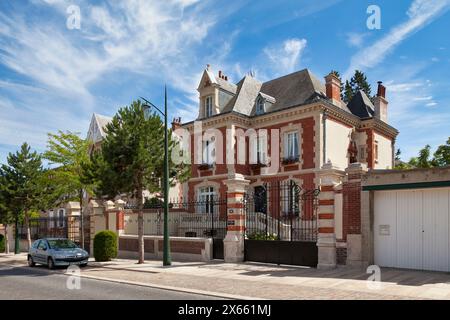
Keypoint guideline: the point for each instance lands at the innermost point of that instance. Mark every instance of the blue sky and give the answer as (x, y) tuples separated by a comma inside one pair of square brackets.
[(53, 78)]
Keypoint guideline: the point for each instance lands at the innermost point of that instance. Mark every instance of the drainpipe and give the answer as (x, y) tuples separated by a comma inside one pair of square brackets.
[(324, 120)]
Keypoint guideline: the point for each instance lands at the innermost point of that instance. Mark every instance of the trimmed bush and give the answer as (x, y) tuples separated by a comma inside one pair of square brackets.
[(105, 245), (2, 243)]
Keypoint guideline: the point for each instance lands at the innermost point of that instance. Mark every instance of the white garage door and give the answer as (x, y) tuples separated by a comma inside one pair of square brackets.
[(411, 229)]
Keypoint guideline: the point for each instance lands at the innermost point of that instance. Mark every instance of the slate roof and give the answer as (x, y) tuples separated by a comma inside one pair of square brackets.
[(361, 106), (295, 89)]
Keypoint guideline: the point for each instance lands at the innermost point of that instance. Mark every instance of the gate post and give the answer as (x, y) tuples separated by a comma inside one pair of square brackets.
[(234, 240), (330, 177)]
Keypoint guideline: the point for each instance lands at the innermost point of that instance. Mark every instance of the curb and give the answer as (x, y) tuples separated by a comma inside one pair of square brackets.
[(177, 289)]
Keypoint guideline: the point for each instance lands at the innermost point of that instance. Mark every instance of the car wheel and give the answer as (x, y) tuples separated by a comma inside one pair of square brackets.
[(83, 265), (31, 262), (51, 263)]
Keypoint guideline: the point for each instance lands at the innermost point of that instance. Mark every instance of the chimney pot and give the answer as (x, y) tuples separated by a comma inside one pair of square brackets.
[(226, 78), (220, 73), (381, 92)]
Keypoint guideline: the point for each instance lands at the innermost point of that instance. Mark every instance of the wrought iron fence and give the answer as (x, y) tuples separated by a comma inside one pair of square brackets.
[(281, 211), (52, 227), (205, 219)]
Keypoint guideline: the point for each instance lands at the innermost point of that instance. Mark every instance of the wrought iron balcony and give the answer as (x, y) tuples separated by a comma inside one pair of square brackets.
[(290, 160), (205, 166)]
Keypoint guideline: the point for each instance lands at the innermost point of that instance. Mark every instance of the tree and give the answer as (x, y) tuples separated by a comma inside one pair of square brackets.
[(6, 215), (69, 153), (442, 155), (132, 156), (441, 158), (398, 163), (356, 83), (23, 176)]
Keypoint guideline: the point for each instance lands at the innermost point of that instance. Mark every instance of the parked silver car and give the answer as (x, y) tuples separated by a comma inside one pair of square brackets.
[(55, 252)]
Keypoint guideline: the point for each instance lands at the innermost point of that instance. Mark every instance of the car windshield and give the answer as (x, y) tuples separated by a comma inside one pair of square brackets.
[(61, 244)]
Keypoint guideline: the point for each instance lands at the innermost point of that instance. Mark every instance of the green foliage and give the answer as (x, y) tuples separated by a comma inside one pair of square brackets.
[(70, 154), (356, 83), (132, 155), (105, 245), (442, 155), (22, 190), (262, 236), (151, 203), (2, 243), (425, 159)]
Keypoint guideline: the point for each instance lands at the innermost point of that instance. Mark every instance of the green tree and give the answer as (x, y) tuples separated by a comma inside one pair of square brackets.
[(132, 156), (6, 214), (23, 175), (356, 83), (441, 156), (70, 154)]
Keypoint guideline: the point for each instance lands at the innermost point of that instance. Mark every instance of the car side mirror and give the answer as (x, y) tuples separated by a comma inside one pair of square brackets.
[(44, 248)]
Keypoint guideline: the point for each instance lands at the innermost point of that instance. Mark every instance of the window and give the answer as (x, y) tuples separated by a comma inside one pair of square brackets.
[(61, 218), (260, 106), (375, 151), (35, 244), (260, 199), (291, 145), (51, 222), (208, 156), (206, 197), (42, 245), (260, 150), (362, 154), (208, 107), (290, 198)]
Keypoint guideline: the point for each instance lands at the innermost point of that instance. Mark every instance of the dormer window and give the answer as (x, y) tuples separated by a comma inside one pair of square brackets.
[(260, 106), (208, 107)]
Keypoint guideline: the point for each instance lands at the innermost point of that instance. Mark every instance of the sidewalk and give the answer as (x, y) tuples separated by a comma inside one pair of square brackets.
[(268, 281)]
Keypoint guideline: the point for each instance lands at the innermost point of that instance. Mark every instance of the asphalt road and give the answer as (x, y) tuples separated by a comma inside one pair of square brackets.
[(20, 283)]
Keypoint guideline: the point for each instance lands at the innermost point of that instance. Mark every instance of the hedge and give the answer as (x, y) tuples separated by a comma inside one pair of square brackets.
[(105, 245), (2, 243)]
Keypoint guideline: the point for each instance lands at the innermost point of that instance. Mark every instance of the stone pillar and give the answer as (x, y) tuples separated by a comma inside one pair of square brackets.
[(352, 213), (330, 177), (234, 240), (94, 210)]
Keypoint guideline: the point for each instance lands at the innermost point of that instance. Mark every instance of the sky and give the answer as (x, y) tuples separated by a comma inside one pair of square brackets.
[(57, 70)]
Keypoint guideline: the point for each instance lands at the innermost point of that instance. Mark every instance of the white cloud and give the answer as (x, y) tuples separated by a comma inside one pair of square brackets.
[(356, 39), (420, 13), (286, 58), (155, 41)]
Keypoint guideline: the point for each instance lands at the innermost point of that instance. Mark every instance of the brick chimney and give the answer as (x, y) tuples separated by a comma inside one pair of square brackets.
[(381, 103), (176, 123), (333, 89)]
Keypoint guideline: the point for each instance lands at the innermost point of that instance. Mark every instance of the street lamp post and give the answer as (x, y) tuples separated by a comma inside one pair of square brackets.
[(166, 243)]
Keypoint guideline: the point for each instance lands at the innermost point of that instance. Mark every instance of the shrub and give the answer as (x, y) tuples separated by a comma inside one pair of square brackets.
[(105, 245), (2, 243), (153, 203), (262, 236)]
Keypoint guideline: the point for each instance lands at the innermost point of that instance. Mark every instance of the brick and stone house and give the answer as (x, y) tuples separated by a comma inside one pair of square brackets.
[(313, 126)]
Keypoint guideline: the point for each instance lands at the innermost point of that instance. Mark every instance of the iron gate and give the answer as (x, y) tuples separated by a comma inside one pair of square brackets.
[(52, 227), (281, 224), (204, 218)]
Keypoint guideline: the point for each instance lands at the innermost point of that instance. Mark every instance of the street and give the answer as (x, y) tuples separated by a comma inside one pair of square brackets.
[(21, 283)]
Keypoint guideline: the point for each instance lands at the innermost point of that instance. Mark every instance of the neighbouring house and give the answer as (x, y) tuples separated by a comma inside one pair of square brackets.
[(97, 134), (312, 127)]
